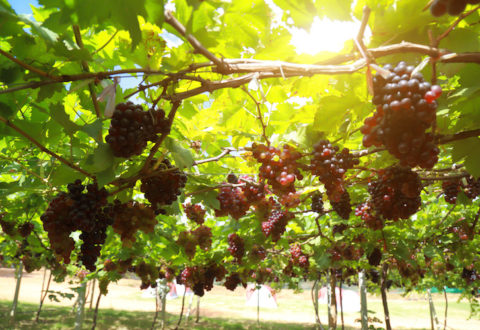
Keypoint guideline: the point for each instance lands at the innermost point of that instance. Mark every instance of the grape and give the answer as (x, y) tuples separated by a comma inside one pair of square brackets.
[(236, 246), (317, 203), (195, 212), (343, 206), (25, 229), (375, 257), (456, 7), (232, 281), (276, 223), (130, 217), (406, 109), (366, 212), (472, 188), (396, 194), (451, 188), (163, 187), (438, 8)]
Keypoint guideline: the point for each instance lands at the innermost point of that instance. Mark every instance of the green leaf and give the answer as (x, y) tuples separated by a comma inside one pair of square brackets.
[(102, 158), (57, 111), (183, 157), (94, 130), (105, 176), (47, 34), (463, 148), (64, 174), (472, 163), (301, 11), (6, 110)]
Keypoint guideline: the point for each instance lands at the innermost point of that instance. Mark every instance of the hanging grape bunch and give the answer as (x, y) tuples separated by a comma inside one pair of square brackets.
[(406, 109), (452, 7), (396, 194), (132, 127), (164, 187)]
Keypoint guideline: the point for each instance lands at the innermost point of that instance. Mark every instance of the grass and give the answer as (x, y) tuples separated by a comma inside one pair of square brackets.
[(54, 317)]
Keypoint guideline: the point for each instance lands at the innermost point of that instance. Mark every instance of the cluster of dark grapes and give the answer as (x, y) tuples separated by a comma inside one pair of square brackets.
[(452, 7), (345, 251), (396, 194), (375, 257), (7, 226), (470, 275), (148, 274), (236, 247), (25, 229), (257, 253), (410, 269), (163, 187), (317, 203), (132, 127), (253, 192), (406, 108), (232, 202), (201, 278), (130, 217), (298, 257), (330, 166), (276, 223), (232, 281), (279, 167), (451, 188), (461, 228), (342, 207), (367, 213), (78, 210), (195, 212), (202, 236), (261, 275)]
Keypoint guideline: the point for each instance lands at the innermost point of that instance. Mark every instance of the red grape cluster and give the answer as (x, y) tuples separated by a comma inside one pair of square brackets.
[(367, 213), (452, 7), (462, 228), (202, 236), (317, 203), (131, 127), (201, 278), (232, 281), (7, 226), (78, 210), (342, 207), (148, 274), (451, 188), (330, 166), (253, 192), (396, 194), (470, 275), (130, 217), (236, 247), (276, 223), (261, 275), (345, 251), (257, 253), (232, 202), (164, 187), (25, 229), (406, 108), (375, 257), (195, 212), (279, 167), (298, 257)]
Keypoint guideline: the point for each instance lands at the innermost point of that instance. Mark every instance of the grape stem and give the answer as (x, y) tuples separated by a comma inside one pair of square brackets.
[(260, 116)]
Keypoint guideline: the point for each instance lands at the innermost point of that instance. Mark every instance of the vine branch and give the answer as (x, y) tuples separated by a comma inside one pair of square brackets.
[(260, 116), (43, 148)]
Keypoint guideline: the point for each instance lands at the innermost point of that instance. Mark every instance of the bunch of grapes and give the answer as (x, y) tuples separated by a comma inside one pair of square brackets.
[(232, 202), (236, 247), (452, 7), (261, 275), (317, 203), (406, 108), (148, 274), (396, 194), (451, 188), (276, 223), (257, 253), (298, 257), (253, 191), (201, 278), (330, 166), (130, 217), (109, 265), (195, 212), (131, 127), (345, 251), (25, 229), (367, 213), (279, 167), (7, 226), (232, 281), (342, 206), (164, 186), (470, 275), (472, 188), (202, 236), (375, 257), (462, 228), (78, 210)]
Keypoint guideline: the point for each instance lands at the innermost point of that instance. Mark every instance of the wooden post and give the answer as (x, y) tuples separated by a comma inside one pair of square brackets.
[(80, 313), (363, 300), (332, 315), (198, 310), (18, 276), (383, 290)]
